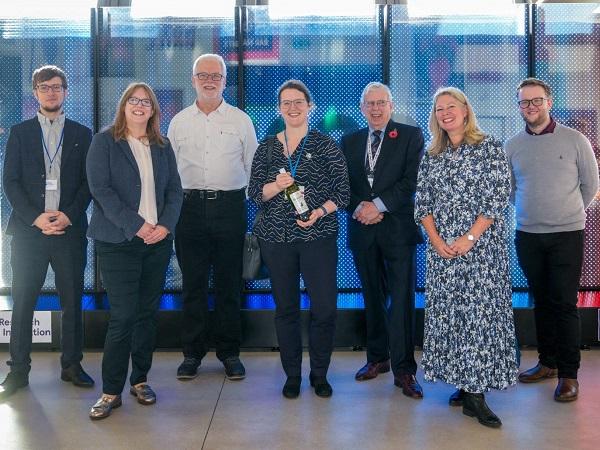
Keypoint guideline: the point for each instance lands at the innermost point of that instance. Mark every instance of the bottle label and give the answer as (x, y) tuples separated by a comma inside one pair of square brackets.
[(297, 199)]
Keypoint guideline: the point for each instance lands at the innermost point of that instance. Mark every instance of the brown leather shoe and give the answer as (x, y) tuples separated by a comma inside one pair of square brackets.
[(409, 384), (567, 390), (537, 373), (371, 370)]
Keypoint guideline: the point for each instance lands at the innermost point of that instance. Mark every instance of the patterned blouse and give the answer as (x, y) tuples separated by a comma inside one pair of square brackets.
[(321, 171)]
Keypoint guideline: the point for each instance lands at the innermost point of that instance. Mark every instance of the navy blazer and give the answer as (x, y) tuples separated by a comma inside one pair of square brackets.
[(116, 188), (395, 183), (24, 177)]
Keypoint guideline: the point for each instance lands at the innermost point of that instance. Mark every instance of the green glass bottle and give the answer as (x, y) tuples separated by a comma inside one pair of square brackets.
[(296, 197)]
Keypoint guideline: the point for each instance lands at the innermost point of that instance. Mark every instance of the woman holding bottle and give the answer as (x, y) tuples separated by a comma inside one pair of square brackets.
[(291, 247)]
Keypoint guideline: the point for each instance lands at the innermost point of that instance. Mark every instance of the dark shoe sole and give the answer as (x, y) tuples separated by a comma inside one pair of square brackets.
[(468, 412), (565, 400)]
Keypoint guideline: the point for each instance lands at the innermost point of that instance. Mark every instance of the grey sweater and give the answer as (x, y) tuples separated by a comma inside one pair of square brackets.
[(554, 178)]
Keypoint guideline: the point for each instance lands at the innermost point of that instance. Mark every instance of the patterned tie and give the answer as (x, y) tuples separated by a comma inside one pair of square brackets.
[(375, 141)]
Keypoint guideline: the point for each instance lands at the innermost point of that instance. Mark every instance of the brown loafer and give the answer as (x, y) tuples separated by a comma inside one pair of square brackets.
[(567, 390), (370, 370), (537, 373), (144, 393), (104, 406), (409, 384)]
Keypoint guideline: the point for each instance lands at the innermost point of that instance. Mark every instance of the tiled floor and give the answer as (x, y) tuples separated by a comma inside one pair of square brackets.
[(213, 413)]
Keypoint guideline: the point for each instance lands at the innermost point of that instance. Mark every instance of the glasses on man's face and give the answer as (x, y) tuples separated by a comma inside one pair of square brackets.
[(44, 88), (203, 76), (298, 103), (136, 101), (538, 101), (373, 104)]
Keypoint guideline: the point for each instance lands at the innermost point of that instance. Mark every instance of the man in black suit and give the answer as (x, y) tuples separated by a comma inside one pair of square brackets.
[(45, 182), (383, 161)]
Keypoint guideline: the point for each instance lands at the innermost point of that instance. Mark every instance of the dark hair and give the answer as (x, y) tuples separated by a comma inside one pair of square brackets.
[(294, 84), (46, 73), (119, 126), (535, 82)]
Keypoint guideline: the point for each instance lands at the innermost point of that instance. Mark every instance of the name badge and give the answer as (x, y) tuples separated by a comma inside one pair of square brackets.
[(51, 185)]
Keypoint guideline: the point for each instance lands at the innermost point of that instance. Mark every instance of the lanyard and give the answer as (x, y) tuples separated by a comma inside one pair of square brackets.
[(372, 160), (294, 167), (51, 159)]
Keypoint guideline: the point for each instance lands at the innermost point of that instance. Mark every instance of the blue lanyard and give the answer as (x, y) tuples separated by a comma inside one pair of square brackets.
[(51, 159), (294, 166)]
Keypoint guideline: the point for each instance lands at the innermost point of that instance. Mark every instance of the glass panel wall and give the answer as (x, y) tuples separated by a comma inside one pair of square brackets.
[(25, 45)]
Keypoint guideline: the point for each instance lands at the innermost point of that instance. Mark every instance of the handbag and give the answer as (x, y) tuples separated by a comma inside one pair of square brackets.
[(253, 267)]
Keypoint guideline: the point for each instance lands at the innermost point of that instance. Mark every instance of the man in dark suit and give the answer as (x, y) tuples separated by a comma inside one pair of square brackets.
[(45, 182), (383, 161)]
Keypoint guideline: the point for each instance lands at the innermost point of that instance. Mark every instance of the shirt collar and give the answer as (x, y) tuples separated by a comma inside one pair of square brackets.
[(221, 109), (549, 128), (60, 120)]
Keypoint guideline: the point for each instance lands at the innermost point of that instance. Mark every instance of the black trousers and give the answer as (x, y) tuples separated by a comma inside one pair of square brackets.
[(211, 232), (389, 269), (29, 259), (133, 275), (552, 265), (317, 262)]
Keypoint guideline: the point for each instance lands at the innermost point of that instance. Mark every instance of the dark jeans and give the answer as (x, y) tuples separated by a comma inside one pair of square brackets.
[(133, 275), (389, 269), (211, 232), (552, 264), (317, 262), (30, 257)]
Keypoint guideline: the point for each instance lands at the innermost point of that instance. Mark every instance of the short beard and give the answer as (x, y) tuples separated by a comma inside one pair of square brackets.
[(51, 110)]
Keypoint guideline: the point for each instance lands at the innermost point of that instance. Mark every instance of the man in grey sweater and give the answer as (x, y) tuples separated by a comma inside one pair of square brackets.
[(554, 179)]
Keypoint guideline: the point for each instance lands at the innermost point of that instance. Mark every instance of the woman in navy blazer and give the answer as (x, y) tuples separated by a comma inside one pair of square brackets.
[(137, 195)]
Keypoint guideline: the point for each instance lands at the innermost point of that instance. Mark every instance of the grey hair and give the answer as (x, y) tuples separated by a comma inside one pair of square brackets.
[(375, 85), (212, 56)]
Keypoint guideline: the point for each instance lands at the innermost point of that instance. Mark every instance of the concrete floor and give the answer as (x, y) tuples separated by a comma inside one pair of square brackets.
[(213, 413)]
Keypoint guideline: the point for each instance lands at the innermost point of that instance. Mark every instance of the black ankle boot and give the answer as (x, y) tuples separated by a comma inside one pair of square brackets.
[(474, 406), (456, 399), (291, 388), (321, 385)]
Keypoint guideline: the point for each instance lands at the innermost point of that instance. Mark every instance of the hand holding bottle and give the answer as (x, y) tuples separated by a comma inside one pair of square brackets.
[(296, 197), (283, 180)]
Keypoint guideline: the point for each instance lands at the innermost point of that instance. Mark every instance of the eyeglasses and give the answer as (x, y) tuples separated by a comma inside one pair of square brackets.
[(47, 87), (378, 103), (538, 101), (203, 76), (136, 101), (298, 103)]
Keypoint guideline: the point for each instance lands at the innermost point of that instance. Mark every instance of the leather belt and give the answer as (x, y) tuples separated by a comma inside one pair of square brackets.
[(207, 194)]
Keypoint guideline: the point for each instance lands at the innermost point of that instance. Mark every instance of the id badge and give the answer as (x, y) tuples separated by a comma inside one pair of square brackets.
[(370, 178), (51, 185)]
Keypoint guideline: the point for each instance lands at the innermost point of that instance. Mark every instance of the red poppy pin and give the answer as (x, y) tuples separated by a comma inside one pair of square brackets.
[(393, 134)]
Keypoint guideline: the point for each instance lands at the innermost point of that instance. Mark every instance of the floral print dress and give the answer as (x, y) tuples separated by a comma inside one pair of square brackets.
[(469, 328)]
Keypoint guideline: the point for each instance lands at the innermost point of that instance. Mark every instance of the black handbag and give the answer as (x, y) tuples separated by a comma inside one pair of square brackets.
[(253, 266)]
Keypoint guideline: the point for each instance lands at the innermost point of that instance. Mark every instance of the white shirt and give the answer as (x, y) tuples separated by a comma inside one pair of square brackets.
[(52, 131), (143, 158), (213, 151)]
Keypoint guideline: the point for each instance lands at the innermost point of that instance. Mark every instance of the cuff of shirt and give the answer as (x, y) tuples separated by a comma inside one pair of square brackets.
[(379, 204)]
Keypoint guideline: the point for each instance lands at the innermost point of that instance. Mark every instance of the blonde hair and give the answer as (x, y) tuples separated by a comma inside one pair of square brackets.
[(439, 137), (119, 126)]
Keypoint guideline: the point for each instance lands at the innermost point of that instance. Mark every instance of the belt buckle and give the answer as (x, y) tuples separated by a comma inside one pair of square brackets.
[(211, 195)]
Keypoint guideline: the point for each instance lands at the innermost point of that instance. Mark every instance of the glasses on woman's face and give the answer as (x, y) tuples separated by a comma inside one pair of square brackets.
[(538, 101), (146, 102), (298, 103)]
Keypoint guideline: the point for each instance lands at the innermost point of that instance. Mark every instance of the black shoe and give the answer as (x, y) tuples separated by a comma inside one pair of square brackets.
[(188, 369), (456, 399), (234, 369), (474, 406), (321, 385), (291, 388), (76, 375), (12, 383)]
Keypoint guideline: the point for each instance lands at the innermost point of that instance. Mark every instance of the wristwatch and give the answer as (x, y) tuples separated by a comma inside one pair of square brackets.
[(470, 237)]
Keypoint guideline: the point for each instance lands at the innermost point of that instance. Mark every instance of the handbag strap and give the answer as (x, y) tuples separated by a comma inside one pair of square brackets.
[(270, 145)]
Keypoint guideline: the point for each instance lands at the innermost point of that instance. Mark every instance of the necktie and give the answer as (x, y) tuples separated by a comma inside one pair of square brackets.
[(375, 141)]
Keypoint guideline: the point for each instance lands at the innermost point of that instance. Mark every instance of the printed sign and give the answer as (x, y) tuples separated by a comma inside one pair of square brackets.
[(41, 327)]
